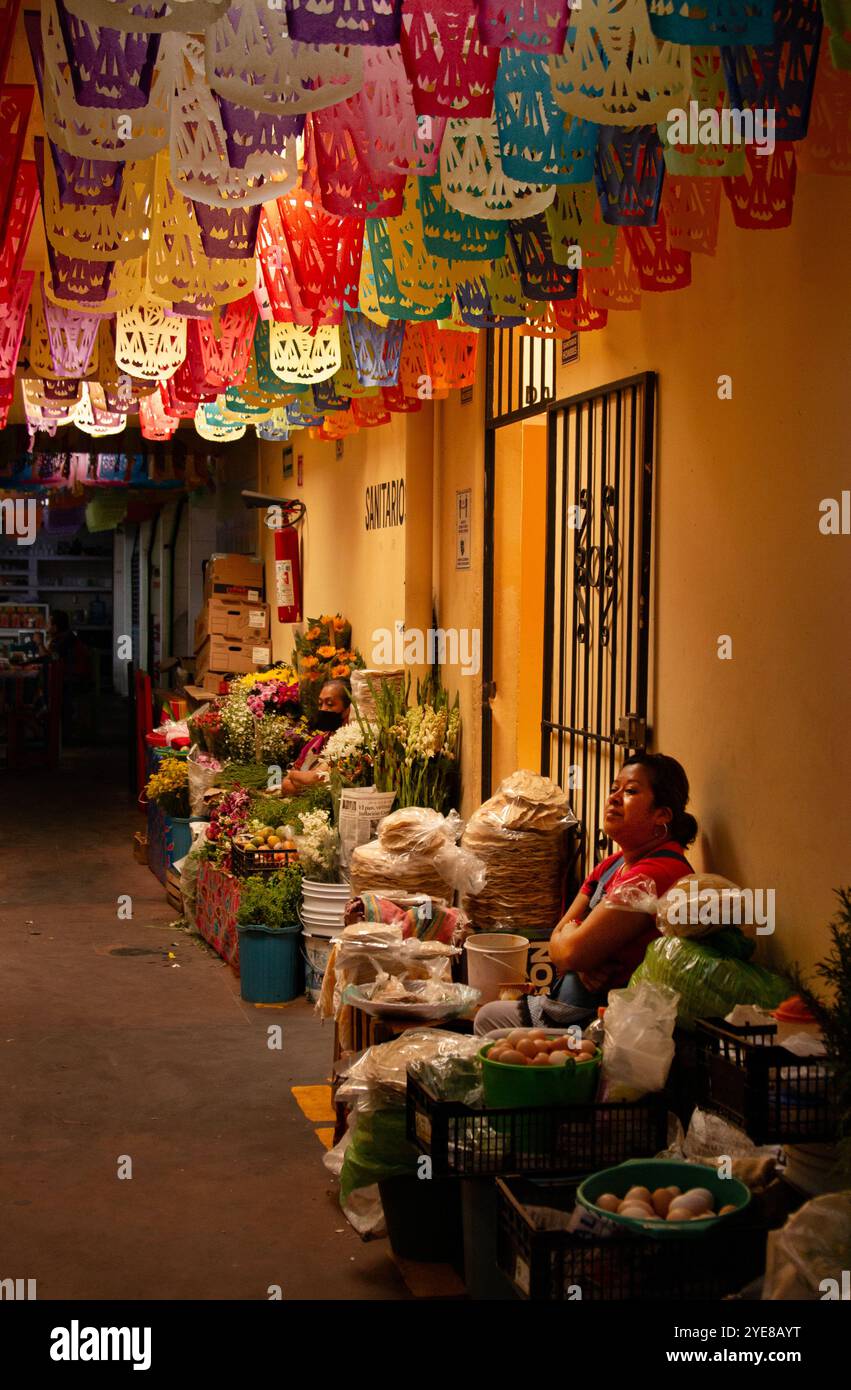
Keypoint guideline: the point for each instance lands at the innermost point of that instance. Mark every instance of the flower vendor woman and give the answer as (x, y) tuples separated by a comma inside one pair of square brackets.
[(335, 708), (597, 945)]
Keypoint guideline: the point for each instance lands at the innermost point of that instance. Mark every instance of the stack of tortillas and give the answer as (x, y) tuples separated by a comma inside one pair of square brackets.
[(406, 856), (519, 834)]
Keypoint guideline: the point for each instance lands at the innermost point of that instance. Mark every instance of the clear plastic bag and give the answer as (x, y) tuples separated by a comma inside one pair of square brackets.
[(434, 865), (708, 982), (638, 1042), (379, 1077), (807, 1258), (697, 906), (201, 777)]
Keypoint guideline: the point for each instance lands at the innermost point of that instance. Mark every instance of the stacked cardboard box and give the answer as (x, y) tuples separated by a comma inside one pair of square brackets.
[(232, 631)]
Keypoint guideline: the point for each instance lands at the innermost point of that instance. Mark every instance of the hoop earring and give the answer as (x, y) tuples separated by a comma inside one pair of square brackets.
[(663, 829)]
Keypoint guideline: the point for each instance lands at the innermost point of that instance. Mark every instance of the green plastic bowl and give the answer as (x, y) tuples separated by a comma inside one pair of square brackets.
[(510, 1087), (663, 1172)]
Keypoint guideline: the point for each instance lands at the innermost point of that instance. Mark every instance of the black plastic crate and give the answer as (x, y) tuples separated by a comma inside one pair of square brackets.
[(467, 1143), (552, 1264), (774, 1096), (265, 862)]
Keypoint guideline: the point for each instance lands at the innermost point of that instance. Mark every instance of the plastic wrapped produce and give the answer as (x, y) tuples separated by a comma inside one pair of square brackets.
[(378, 1079), (711, 976), (806, 1259), (416, 852), (519, 835)]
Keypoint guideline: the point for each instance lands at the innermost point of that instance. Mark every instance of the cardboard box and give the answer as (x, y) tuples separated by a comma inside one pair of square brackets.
[(239, 575), (233, 618), (219, 654)]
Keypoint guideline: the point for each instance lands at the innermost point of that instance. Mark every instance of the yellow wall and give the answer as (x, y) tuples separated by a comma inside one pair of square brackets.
[(737, 551)]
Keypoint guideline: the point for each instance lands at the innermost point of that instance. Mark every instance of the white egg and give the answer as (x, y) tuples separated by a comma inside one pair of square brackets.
[(692, 1202), (637, 1210)]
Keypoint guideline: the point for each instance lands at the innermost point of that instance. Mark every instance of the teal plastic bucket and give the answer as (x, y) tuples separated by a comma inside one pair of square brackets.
[(270, 963)]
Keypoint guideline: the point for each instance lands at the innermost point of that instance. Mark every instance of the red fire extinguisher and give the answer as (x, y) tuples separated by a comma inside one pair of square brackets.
[(288, 574)]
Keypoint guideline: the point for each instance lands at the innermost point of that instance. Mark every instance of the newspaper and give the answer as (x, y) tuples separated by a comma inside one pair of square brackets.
[(361, 808)]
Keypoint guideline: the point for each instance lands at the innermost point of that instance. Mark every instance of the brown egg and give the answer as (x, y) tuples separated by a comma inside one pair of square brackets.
[(661, 1199), (636, 1209), (587, 1046), (496, 1052), (541, 1059), (639, 1194), (674, 1191), (679, 1214), (561, 1044), (536, 1033), (608, 1201), (542, 1045), (514, 1037), (728, 1210), (527, 1047), (558, 1058), (511, 1057)]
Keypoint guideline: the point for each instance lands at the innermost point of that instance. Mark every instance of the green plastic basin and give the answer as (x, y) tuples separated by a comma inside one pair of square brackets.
[(663, 1172), (510, 1087)]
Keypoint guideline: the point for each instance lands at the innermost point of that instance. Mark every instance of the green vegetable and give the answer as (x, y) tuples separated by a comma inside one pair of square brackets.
[(248, 775), (288, 810), (272, 901)]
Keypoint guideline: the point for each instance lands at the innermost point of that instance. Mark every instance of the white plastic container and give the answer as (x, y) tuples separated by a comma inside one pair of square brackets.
[(494, 961)]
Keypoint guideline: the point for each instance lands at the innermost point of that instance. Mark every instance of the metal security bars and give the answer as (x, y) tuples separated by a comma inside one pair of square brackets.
[(598, 565), (521, 376)]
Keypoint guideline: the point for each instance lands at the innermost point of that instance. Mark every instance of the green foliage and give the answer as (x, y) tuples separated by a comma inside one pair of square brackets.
[(272, 901), (834, 1016), (252, 776), (288, 810)]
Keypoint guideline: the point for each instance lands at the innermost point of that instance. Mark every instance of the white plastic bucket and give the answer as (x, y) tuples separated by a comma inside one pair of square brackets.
[(324, 904), (494, 960), (316, 952)]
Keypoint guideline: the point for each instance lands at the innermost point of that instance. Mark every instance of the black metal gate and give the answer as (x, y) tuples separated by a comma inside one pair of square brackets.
[(598, 567)]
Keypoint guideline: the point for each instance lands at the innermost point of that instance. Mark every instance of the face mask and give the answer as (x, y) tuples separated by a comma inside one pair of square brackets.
[(327, 721)]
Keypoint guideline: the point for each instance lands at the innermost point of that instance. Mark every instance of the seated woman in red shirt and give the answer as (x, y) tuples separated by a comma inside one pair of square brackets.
[(596, 947)]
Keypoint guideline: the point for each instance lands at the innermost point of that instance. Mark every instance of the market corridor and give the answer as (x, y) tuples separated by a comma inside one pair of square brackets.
[(110, 1056)]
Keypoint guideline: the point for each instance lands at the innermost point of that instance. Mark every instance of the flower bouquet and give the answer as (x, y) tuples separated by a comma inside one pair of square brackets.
[(168, 787), (227, 819), (415, 749), (208, 730), (323, 653), (318, 848)]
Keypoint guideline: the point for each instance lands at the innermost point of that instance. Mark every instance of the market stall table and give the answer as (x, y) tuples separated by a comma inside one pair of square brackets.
[(216, 908)]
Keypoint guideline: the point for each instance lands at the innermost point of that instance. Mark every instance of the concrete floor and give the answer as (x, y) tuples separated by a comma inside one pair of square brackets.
[(106, 1055)]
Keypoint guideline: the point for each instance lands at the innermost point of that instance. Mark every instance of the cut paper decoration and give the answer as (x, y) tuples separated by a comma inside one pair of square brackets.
[(762, 197), (712, 22), (540, 26), (178, 401), (368, 412), (15, 106), (574, 218), (201, 147), (476, 308), (367, 292), (102, 231), (102, 131), (827, 148), (262, 386), (109, 67), (397, 402), (18, 228), (251, 59), (374, 22), (579, 314), (220, 354), (299, 418), (8, 20), (474, 181), (778, 78), (541, 277), (210, 424), (347, 185), (275, 430), (413, 294), (376, 350), (228, 233), (708, 95), (537, 140), (630, 172), (422, 281), (336, 427), (72, 338), (414, 366), (452, 72), (454, 235), (397, 140), (149, 342), (614, 71), (93, 418), (692, 209), (153, 421), (178, 270), (326, 399), (615, 286), (13, 322), (151, 16), (279, 280), (451, 356), (299, 356), (325, 254), (657, 264), (347, 382)]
